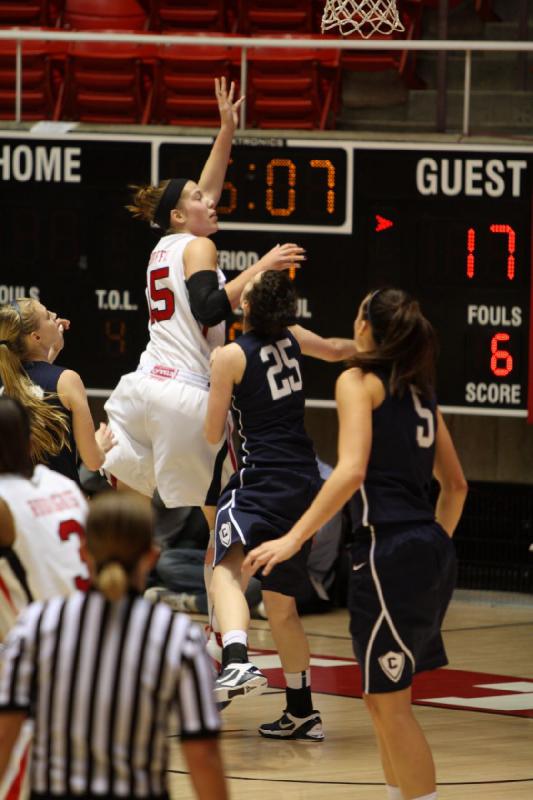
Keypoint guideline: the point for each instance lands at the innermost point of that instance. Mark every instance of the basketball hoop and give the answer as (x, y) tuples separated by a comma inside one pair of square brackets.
[(365, 17)]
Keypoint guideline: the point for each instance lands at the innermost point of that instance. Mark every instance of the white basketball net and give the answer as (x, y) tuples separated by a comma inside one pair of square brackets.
[(365, 17)]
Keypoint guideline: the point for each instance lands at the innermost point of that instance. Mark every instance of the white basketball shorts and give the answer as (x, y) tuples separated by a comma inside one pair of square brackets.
[(158, 423)]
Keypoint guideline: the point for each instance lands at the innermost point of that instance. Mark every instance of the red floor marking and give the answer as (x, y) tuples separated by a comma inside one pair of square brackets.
[(447, 684)]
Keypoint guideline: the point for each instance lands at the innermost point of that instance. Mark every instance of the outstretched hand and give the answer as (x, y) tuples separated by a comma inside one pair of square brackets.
[(283, 256), (105, 437), (268, 554), (228, 109)]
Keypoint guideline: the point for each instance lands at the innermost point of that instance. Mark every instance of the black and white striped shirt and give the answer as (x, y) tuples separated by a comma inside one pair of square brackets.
[(103, 682)]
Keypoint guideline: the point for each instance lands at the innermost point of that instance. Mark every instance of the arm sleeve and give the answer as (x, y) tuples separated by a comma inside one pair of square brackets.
[(194, 695), (18, 661), (210, 304)]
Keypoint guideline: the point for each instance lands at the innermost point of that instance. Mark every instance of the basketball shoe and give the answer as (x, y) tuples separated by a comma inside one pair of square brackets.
[(289, 727), (177, 601), (238, 679)]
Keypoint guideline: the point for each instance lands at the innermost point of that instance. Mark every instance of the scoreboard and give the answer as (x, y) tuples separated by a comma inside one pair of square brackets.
[(450, 224)]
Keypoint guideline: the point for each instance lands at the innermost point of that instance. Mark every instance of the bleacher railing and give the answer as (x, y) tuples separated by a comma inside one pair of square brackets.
[(20, 35)]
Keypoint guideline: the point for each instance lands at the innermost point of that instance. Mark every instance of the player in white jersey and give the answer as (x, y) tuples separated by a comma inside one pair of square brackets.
[(42, 521), (157, 412)]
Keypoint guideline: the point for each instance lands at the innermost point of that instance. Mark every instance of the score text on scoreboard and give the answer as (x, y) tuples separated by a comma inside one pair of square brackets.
[(450, 224), (453, 227)]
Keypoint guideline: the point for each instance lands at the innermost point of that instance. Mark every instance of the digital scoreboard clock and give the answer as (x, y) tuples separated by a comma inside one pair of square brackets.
[(450, 224)]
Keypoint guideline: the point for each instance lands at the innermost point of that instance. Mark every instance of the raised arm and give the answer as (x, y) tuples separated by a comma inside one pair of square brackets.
[(448, 471), (92, 446), (330, 349), (212, 305), (227, 368), (213, 174), (354, 408)]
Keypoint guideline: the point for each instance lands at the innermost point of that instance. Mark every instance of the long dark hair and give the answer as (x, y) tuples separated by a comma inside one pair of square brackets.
[(406, 343), (15, 455), (272, 303)]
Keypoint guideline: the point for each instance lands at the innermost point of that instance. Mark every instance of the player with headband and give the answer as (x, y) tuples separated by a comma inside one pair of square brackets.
[(157, 412)]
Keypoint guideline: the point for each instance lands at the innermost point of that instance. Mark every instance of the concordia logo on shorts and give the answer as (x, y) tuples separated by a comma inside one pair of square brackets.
[(224, 534), (392, 665)]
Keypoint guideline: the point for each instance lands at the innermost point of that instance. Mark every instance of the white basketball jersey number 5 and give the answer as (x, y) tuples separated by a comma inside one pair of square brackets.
[(281, 387)]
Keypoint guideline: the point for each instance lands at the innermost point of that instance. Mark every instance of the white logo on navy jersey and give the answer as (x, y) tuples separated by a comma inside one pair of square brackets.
[(392, 665), (224, 534)]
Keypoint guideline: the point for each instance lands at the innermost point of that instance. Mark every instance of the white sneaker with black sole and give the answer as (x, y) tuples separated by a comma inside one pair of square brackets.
[(239, 679), (177, 601), (288, 727)]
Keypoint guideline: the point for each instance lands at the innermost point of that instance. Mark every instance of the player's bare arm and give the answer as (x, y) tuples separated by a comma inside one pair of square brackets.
[(354, 407), (227, 369), (449, 473), (326, 349), (214, 172), (280, 257), (92, 446), (201, 254)]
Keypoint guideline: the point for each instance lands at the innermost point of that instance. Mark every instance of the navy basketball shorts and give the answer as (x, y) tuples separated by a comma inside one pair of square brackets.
[(258, 505), (401, 583)]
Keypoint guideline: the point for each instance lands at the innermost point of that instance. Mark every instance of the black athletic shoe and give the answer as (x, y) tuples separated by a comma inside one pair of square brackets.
[(288, 727)]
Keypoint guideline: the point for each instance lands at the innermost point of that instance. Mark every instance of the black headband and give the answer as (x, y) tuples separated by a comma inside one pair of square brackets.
[(168, 201)]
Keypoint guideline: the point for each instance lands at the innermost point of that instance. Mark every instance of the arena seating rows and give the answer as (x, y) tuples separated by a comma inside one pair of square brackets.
[(112, 83)]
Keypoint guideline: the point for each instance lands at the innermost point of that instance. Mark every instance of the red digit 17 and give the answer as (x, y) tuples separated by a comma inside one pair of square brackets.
[(511, 249)]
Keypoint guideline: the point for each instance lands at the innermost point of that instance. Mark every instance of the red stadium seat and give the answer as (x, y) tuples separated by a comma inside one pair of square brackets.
[(106, 82), (184, 89), (123, 15), (484, 8), (292, 88), (41, 81), (25, 12), (184, 15), (275, 16)]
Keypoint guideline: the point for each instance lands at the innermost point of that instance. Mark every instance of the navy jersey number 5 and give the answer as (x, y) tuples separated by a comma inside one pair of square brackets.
[(425, 436)]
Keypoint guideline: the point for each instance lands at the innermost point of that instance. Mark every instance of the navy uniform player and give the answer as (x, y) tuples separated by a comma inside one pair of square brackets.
[(260, 376), (392, 438)]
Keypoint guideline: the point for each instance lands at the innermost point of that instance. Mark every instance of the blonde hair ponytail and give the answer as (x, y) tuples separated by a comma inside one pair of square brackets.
[(112, 581), (48, 423)]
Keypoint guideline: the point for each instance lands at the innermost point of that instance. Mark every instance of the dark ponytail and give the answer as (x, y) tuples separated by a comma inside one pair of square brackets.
[(406, 343)]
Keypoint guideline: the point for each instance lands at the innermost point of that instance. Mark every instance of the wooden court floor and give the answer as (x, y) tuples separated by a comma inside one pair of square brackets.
[(478, 753)]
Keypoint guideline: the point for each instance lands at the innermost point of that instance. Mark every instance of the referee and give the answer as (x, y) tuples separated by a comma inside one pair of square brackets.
[(102, 674)]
